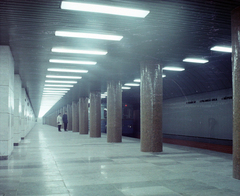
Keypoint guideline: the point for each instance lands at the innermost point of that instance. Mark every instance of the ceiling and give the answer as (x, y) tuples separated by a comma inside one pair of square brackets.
[(173, 30)]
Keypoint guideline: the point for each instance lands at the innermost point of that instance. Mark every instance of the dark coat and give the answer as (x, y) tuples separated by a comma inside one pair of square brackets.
[(64, 118)]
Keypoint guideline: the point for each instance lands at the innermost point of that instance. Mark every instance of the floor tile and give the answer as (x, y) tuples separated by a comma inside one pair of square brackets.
[(47, 163)]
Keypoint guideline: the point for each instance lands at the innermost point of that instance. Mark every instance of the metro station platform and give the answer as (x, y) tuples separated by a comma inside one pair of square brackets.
[(52, 163)]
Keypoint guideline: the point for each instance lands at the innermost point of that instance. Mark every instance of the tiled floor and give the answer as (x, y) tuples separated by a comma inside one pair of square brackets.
[(49, 162)]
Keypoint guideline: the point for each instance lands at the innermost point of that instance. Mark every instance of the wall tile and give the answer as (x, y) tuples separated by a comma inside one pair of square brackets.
[(4, 99), (4, 148), (11, 101), (5, 130), (6, 67)]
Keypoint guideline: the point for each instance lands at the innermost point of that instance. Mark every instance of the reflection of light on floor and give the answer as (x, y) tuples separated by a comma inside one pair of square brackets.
[(103, 171), (42, 139)]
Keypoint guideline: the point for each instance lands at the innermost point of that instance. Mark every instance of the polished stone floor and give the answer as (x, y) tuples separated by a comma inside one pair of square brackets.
[(55, 163)]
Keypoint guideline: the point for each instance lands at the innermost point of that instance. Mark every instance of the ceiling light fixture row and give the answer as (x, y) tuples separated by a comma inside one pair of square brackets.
[(215, 48), (88, 8)]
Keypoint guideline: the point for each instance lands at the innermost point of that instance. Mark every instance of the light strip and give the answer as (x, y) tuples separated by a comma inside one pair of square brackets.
[(67, 70), (126, 87), (57, 89), (173, 68), (194, 60), (65, 50), (53, 91), (88, 35), (46, 96), (137, 80), (104, 9), (56, 85), (221, 49), (54, 94), (103, 96), (60, 81), (63, 77), (72, 62), (131, 84)]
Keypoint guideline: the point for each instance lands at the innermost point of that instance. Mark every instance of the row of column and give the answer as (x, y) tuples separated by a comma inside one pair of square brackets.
[(151, 111), (16, 114), (151, 106)]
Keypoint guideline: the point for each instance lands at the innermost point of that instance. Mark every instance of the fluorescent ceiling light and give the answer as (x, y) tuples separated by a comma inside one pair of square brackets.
[(60, 81), (173, 68), (51, 97), (103, 96), (221, 49), (56, 85), (46, 96), (72, 62), (67, 70), (131, 84), (137, 80), (104, 9), (73, 51), (54, 91), (63, 77), (126, 87), (88, 35), (194, 60), (57, 89)]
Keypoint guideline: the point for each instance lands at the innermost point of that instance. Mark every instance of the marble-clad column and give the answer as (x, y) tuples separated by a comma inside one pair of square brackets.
[(17, 109), (83, 115), (6, 102), (114, 111), (69, 115), (75, 117), (95, 114), (236, 91), (151, 107)]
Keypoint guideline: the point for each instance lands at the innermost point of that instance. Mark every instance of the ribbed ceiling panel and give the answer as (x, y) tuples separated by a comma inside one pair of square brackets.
[(172, 31)]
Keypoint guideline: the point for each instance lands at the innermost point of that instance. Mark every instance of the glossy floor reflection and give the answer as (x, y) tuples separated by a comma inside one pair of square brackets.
[(50, 163)]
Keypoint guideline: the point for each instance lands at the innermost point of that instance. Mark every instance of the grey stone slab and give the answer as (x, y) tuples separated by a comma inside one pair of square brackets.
[(96, 190), (8, 193), (125, 185), (63, 164), (152, 191), (212, 192), (41, 188)]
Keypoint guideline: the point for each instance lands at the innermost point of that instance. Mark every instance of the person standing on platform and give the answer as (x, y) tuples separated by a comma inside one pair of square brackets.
[(65, 121), (59, 122)]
